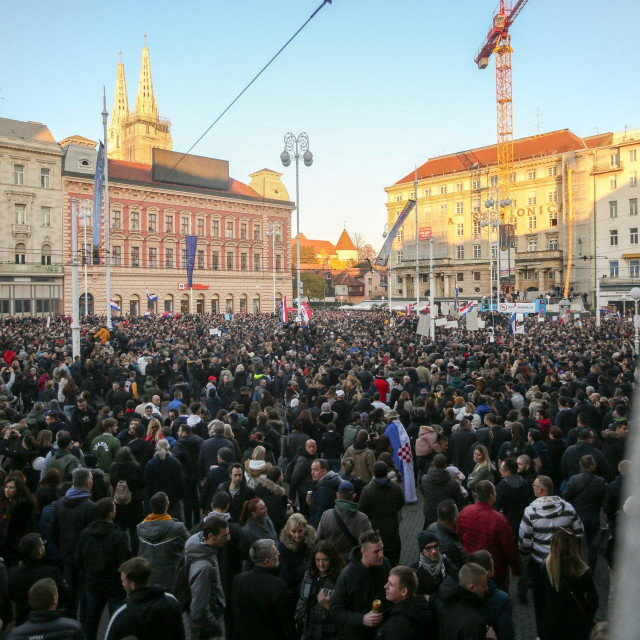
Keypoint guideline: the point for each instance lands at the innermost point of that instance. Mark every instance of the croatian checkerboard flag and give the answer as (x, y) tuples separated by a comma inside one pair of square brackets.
[(402, 458)]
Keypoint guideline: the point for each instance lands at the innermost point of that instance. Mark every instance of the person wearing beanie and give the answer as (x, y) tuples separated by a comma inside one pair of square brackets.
[(432, 565), (343, 524)]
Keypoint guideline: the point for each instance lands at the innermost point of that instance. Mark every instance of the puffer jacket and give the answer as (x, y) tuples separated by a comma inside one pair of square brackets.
[(50, 625), (427, 442), (324, 497), (254, 470)]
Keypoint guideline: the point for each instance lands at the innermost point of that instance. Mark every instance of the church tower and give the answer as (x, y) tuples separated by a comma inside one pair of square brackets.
[(133, 136), (119, 115)]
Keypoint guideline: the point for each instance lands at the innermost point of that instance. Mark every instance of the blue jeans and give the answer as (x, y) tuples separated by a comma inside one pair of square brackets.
[(95, 607)]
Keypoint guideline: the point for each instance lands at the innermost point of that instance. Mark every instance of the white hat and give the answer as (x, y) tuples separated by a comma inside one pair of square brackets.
[(340, 393)]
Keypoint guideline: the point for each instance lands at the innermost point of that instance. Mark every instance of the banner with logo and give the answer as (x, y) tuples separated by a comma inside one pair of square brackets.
[(97, 195), (191, 243), (385, 252)]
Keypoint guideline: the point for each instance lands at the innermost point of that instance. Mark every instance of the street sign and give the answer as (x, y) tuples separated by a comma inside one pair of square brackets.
[(424, 233)]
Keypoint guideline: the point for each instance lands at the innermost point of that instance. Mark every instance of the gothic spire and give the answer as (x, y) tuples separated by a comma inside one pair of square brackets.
[(119, 113), (145, 100)]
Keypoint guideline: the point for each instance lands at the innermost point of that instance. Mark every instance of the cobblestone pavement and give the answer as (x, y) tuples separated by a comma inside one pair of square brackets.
[(523, 615)]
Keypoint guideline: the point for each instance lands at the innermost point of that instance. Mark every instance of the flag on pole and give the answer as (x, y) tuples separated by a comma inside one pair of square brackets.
[(512, 324), (467, 308), (455, 301), (97, 195), (151, 297), (283, 310), (306, 312), (165, 315), (385, 252), (408, 309), (540, 315), (147, 314), (191, 242), (402, 458), (114, 305), (618, 314)]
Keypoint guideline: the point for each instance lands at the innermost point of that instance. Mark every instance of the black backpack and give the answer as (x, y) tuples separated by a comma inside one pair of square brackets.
[(181, 585)]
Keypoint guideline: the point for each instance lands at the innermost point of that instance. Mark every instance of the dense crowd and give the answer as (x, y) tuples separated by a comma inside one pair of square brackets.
[(247, 478)]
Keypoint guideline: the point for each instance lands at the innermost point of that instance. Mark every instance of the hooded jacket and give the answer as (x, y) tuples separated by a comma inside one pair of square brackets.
[(255, 469), (71, 514), (65, 462), (324, 497), (364, 460), (102, 548), (148, 614), (357, 587), (354, 520), (437, 485), (207, 597), (274, 497), (162, 544), (427, 442), (513, 496), (457, 613), (406, 620)]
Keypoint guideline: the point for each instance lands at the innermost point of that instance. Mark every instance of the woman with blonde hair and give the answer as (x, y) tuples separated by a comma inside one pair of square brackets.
[(256, 466), (483, 470), (570, 595), (154, 431)]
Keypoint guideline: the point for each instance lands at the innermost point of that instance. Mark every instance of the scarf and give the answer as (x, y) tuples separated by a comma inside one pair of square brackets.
[(154, 517), (433, 568)]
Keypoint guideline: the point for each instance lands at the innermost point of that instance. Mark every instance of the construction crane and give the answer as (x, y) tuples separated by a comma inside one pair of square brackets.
[(499, 42)]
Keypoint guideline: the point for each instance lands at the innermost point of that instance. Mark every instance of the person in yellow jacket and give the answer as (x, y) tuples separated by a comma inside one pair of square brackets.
[(102, 334)]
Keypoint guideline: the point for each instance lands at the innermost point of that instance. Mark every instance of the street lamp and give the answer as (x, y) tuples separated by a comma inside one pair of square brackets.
[(271, 233), (299, 147), (85, 215), (635, 294)]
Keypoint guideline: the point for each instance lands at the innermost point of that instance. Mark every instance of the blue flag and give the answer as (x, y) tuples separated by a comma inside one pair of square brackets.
[(512, 324), (97, 195), (191, 242)]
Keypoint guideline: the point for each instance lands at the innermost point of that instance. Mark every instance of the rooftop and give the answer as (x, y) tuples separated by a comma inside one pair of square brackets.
[(33, 131)]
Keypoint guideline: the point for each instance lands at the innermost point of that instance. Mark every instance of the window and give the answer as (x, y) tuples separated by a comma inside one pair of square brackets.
[(531, 198), (460, 276), (278, 232), (494, 181), (459, 208), (477, 251), (475, 184), (614, 160), (476, 227), (134, 221), (230, 229), (278, 263), (632, 155), (552, 171), (168, 259), (613, 238), (116, 254), (243, 231), (45, 178), (200, 260), (398, 257), (256, 232), (527, 274), (183, 258), (153, 256), (460, 229), (533, 245), (399, 279), (553, 218), (613, 208), (135, 256), (552, 196), (531, 175), (443, 189), (477, 276), (229, 260), (552, 245), (633, 179), (43, 306), (443, 208), (458, 186), (18, 174), (613, 182), (633, 206), (116, 219), (257, 259), (370, 281), (399, 197), (412, 195), (633, 235), (200, 227), (184, 226), (168, 224), (215, 228), (45, 216), (494, 251), (20, 213), (613, 268), (460, 252), (45, 255), (22, 306), (427, 192), (475, 206), (634, 268), (552, 275), (532, 222), (152, 222), (215, 259)]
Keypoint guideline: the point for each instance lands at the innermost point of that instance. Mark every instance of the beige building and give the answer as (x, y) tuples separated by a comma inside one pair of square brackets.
[(31, 257)]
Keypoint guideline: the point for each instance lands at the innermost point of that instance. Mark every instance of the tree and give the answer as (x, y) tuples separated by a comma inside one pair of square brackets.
[(365, 250), (307, 255), (313, 286)]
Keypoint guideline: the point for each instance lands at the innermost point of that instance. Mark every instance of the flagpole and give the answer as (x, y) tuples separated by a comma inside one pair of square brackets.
[(107, 239), (415, 190)]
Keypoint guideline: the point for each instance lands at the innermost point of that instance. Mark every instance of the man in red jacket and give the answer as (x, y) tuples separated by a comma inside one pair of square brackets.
[(482, 527)]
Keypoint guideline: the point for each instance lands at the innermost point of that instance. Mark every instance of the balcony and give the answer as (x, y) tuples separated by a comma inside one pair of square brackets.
[(599, 169), (21, 229), (524, 258), (31, 269)]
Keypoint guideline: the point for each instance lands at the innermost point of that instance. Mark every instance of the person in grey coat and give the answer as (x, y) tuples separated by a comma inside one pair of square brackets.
[(161, 541), (206, 613)]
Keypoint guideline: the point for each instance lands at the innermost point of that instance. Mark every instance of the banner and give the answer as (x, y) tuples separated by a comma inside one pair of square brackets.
[(520, 307), (191, 243), (97, 195), (385, 252)]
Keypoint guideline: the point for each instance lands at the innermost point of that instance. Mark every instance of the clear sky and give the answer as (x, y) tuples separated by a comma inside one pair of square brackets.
[(379, 86)]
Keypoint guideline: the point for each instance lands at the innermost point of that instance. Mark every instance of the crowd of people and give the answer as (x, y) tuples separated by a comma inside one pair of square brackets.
[(251, 481)]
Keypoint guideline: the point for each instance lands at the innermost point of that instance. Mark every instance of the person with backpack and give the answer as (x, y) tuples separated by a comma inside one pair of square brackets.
[(197, 584)]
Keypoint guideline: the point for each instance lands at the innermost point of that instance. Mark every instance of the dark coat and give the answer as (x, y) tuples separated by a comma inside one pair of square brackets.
[(128, 515), (460, 444), (50, 625), (22, 521), (585, 491), (408, 619), (356, 588), (457, 613), (245, 493), (497, 610), (437, 485), (162, 544), (186, 451), (208, 456), (570, 464), (613, 448), (148, 614), (165, 475), (324, 497), (382, 500), (274, 497), (215, 477), (71, 514), (513, 496), (428, 584), (449, 543), (261, 592)]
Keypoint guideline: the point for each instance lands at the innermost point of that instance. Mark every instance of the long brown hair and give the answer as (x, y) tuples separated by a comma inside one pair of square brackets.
[(335, 560), (564, 554)]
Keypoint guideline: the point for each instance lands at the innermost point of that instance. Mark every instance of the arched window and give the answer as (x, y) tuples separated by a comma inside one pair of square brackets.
[(168, 302), (215, 304), (21, 253), (89, 309), (256, 303), (134, 305), (45, 255)]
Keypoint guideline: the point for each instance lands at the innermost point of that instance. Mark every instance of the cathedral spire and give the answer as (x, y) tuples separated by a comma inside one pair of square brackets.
[(145, 100), (119, 113)]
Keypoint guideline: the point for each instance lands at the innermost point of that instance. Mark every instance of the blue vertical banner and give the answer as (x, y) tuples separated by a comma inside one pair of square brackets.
[(191, 243), (97, 196), (385, 252)]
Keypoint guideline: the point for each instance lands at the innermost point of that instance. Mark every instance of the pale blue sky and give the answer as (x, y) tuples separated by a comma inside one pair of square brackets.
[(379, 86)]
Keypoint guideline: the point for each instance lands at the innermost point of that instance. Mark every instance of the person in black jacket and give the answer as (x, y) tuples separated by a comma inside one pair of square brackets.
[(445, 531), (102, 548), (331, 447), (410, 616), (262, 593), (186, 451), (586, 491), (164, 473), (149, 612), (31, 569), (270, 490), (324, 494), (513, 494), (215, 477), (209, 450), (570, 464), (432, 566), (360, 583), (237, 489), (437, 485), (45, 622)]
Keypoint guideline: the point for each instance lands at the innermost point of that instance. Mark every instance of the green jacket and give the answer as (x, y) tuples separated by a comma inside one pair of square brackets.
[(65, 462), (105, 448)]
